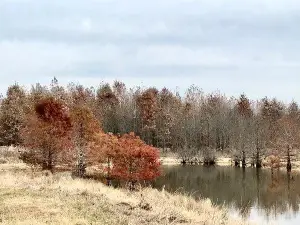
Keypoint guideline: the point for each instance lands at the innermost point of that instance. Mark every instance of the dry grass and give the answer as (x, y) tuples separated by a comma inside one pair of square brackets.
[(28, 197)]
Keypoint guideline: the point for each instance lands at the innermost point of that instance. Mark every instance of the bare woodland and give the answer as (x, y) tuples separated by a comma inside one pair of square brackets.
[(197, 126)]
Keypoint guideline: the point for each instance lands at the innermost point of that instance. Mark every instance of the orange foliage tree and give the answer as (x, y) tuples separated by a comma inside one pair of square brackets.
[(103, 150), (85, 126), (47, 134), (125, 158), (135, 161)]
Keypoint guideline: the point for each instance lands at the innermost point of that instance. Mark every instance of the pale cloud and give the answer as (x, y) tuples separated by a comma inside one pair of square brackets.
[(86, 24), (34, 58), (231, 45)]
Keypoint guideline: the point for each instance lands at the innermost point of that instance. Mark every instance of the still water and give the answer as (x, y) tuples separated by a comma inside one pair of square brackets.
[(256, 195)]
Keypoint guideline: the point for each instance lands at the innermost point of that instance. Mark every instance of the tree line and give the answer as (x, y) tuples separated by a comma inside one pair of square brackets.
[(195, 126), (60, 131)]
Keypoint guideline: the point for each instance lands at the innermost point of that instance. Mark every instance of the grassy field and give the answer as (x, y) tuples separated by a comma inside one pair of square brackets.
[(34, 197)]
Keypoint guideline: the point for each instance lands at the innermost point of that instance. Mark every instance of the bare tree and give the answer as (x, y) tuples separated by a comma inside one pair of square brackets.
[(288, 137), (13, 109)]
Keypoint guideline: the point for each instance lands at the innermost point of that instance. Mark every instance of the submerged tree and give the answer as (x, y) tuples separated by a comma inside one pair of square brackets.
[(288, 137), (243, 127)]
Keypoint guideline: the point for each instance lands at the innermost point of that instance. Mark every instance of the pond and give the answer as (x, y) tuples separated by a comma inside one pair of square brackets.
[(257, 195)]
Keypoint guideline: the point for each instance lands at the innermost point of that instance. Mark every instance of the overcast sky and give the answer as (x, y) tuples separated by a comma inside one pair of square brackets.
[(234, 46)]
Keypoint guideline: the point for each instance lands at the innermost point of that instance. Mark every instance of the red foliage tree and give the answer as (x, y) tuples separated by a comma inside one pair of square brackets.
[(135, 161), (47, 134), (125, 158)]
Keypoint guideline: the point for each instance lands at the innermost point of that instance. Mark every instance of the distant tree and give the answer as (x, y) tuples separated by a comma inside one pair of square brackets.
[(188, 122), (57, 91), (178, 135), (214, 114), (271, 112), (244, 136), (125, 109), (80, 95), (119, 90), (288, 136), (47, 135), (244, 106), (84, 123), (293, 110), (85, 127), (260, 139), (148, 106), (165, 118), (12, 112), (37, 93), (106, 108)]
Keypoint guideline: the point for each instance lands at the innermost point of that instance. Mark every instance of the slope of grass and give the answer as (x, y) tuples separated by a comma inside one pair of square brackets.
[(28, 197)]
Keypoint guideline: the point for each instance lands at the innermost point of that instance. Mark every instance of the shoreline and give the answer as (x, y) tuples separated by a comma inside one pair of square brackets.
[(32, 198), (223, 161)]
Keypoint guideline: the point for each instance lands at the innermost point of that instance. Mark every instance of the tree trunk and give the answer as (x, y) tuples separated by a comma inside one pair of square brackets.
[(47, 162), (81, 167), (289, 164), (258, 185), (108, 176), (209, 162), (236, 162), (208, 135), (252, 160), (132, 185), (44, 166), (244, 160), (258, 161)]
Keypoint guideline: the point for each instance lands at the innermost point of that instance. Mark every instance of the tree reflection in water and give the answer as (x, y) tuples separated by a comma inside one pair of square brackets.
[(270, 193)]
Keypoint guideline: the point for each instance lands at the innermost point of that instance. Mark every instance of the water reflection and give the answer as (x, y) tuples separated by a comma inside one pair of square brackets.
[(270, 194)]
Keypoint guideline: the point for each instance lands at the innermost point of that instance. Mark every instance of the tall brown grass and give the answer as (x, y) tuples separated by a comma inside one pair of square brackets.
[(33, 197)]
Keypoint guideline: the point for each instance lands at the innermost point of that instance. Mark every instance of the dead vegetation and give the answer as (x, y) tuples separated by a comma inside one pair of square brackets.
[(33, 197)]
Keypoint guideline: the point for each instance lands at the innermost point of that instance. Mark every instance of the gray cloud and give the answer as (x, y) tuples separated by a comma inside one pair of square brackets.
[(234, 46)]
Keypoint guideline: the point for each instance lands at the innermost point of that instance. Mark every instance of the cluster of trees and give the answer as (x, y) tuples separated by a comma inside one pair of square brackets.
[(196, 125), (60, 130)]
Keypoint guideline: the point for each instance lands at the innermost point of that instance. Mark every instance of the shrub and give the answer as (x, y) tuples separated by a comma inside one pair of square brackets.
[(135, 161)]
